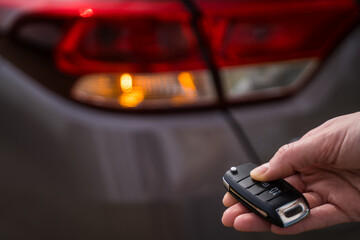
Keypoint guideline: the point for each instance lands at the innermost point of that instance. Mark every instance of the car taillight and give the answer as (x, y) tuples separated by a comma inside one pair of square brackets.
[(141, 54), (152, 54), (125, 41), (268, 48), (154, 50)]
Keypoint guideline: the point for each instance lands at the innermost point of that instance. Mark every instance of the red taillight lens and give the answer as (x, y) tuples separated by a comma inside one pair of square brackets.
[(243, 32), (134, 41), (154, 41), (267, 49)]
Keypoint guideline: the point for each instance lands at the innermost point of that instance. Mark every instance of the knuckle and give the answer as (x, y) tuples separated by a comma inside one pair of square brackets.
[(285, 149)]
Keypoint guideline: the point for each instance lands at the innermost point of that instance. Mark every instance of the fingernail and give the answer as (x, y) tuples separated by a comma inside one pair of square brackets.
[(260, 170)]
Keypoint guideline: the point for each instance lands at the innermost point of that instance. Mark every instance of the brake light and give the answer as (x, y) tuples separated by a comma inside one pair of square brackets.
[(246, 32), (157, 40), (268, 48)]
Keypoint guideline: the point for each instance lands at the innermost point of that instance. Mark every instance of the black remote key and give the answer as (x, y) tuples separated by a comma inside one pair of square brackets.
[(276, 201)]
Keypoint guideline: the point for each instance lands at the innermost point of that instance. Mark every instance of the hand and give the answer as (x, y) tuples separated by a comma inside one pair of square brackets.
[(324, 165)]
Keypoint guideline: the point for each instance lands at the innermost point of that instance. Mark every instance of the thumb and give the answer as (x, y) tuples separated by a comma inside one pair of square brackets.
[(289, 159)]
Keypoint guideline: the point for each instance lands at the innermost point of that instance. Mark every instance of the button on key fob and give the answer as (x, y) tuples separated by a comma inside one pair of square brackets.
[(276, 201)]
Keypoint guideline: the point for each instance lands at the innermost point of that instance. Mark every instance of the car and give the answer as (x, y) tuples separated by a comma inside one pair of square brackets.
[(119, 118)]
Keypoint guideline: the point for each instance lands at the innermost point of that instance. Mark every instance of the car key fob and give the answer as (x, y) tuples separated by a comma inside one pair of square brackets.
[(276, 201)]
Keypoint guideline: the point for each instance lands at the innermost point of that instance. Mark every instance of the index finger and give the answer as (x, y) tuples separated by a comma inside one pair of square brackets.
[(229, 200)]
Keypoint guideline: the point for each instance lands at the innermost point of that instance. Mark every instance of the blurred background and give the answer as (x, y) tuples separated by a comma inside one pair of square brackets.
[(119, 118)]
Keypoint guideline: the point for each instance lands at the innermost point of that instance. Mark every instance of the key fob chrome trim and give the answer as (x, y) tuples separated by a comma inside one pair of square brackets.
[(289, 213)]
